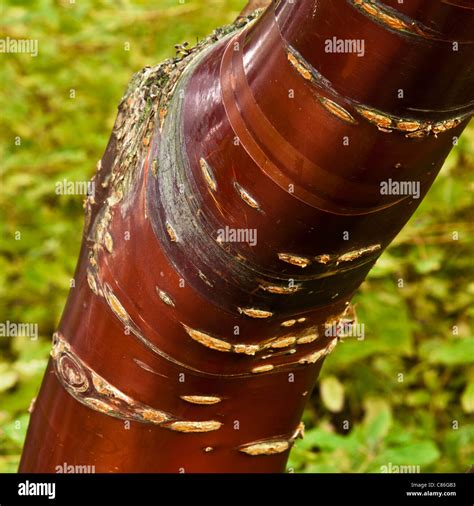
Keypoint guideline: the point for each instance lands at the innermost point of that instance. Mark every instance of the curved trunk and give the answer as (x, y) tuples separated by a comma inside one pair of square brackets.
[(247, 189)]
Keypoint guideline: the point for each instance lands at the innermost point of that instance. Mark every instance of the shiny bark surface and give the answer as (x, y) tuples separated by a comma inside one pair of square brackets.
[(217, 262)]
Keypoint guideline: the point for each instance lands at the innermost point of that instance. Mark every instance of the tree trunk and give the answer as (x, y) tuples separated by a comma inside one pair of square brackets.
[(248, 187)]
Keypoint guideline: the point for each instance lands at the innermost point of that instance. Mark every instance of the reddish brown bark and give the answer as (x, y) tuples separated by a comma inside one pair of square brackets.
[(201, 350)]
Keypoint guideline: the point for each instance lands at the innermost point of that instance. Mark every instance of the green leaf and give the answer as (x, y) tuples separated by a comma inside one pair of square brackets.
[(452, 352), (332, 393), (15, 431), (9, 463), (430, 264), (415, 454), (377, 421), (8, 377), (350, 352), (319, 438), (385, 265), (467, 398)]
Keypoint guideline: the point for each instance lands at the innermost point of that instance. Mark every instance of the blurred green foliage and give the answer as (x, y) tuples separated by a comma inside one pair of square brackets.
[(402, 396)]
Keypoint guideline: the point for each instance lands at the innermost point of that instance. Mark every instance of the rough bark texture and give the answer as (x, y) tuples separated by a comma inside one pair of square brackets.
[(253, 5), (186, 346)]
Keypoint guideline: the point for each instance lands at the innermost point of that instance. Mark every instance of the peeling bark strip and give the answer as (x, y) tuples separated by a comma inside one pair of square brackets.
[(355, 254), (273, 445), (412, 128), (281, 290), (246, 197), (207, 340), (309, 338), (165, 297), (306, 70), (255, 313), (201, 337), (108, 242), (115, 305), (299, 432), (349, 256), (266, 448), (195, 426), (331, 259), (201, 399), (91, 281), (385, 122), (305, 336), (284, 342), (294, 259), (310, 74), (301, 67), (337, 110), (317, 355), (263, 368), (393, 19), (208, 174), (92, 390)]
